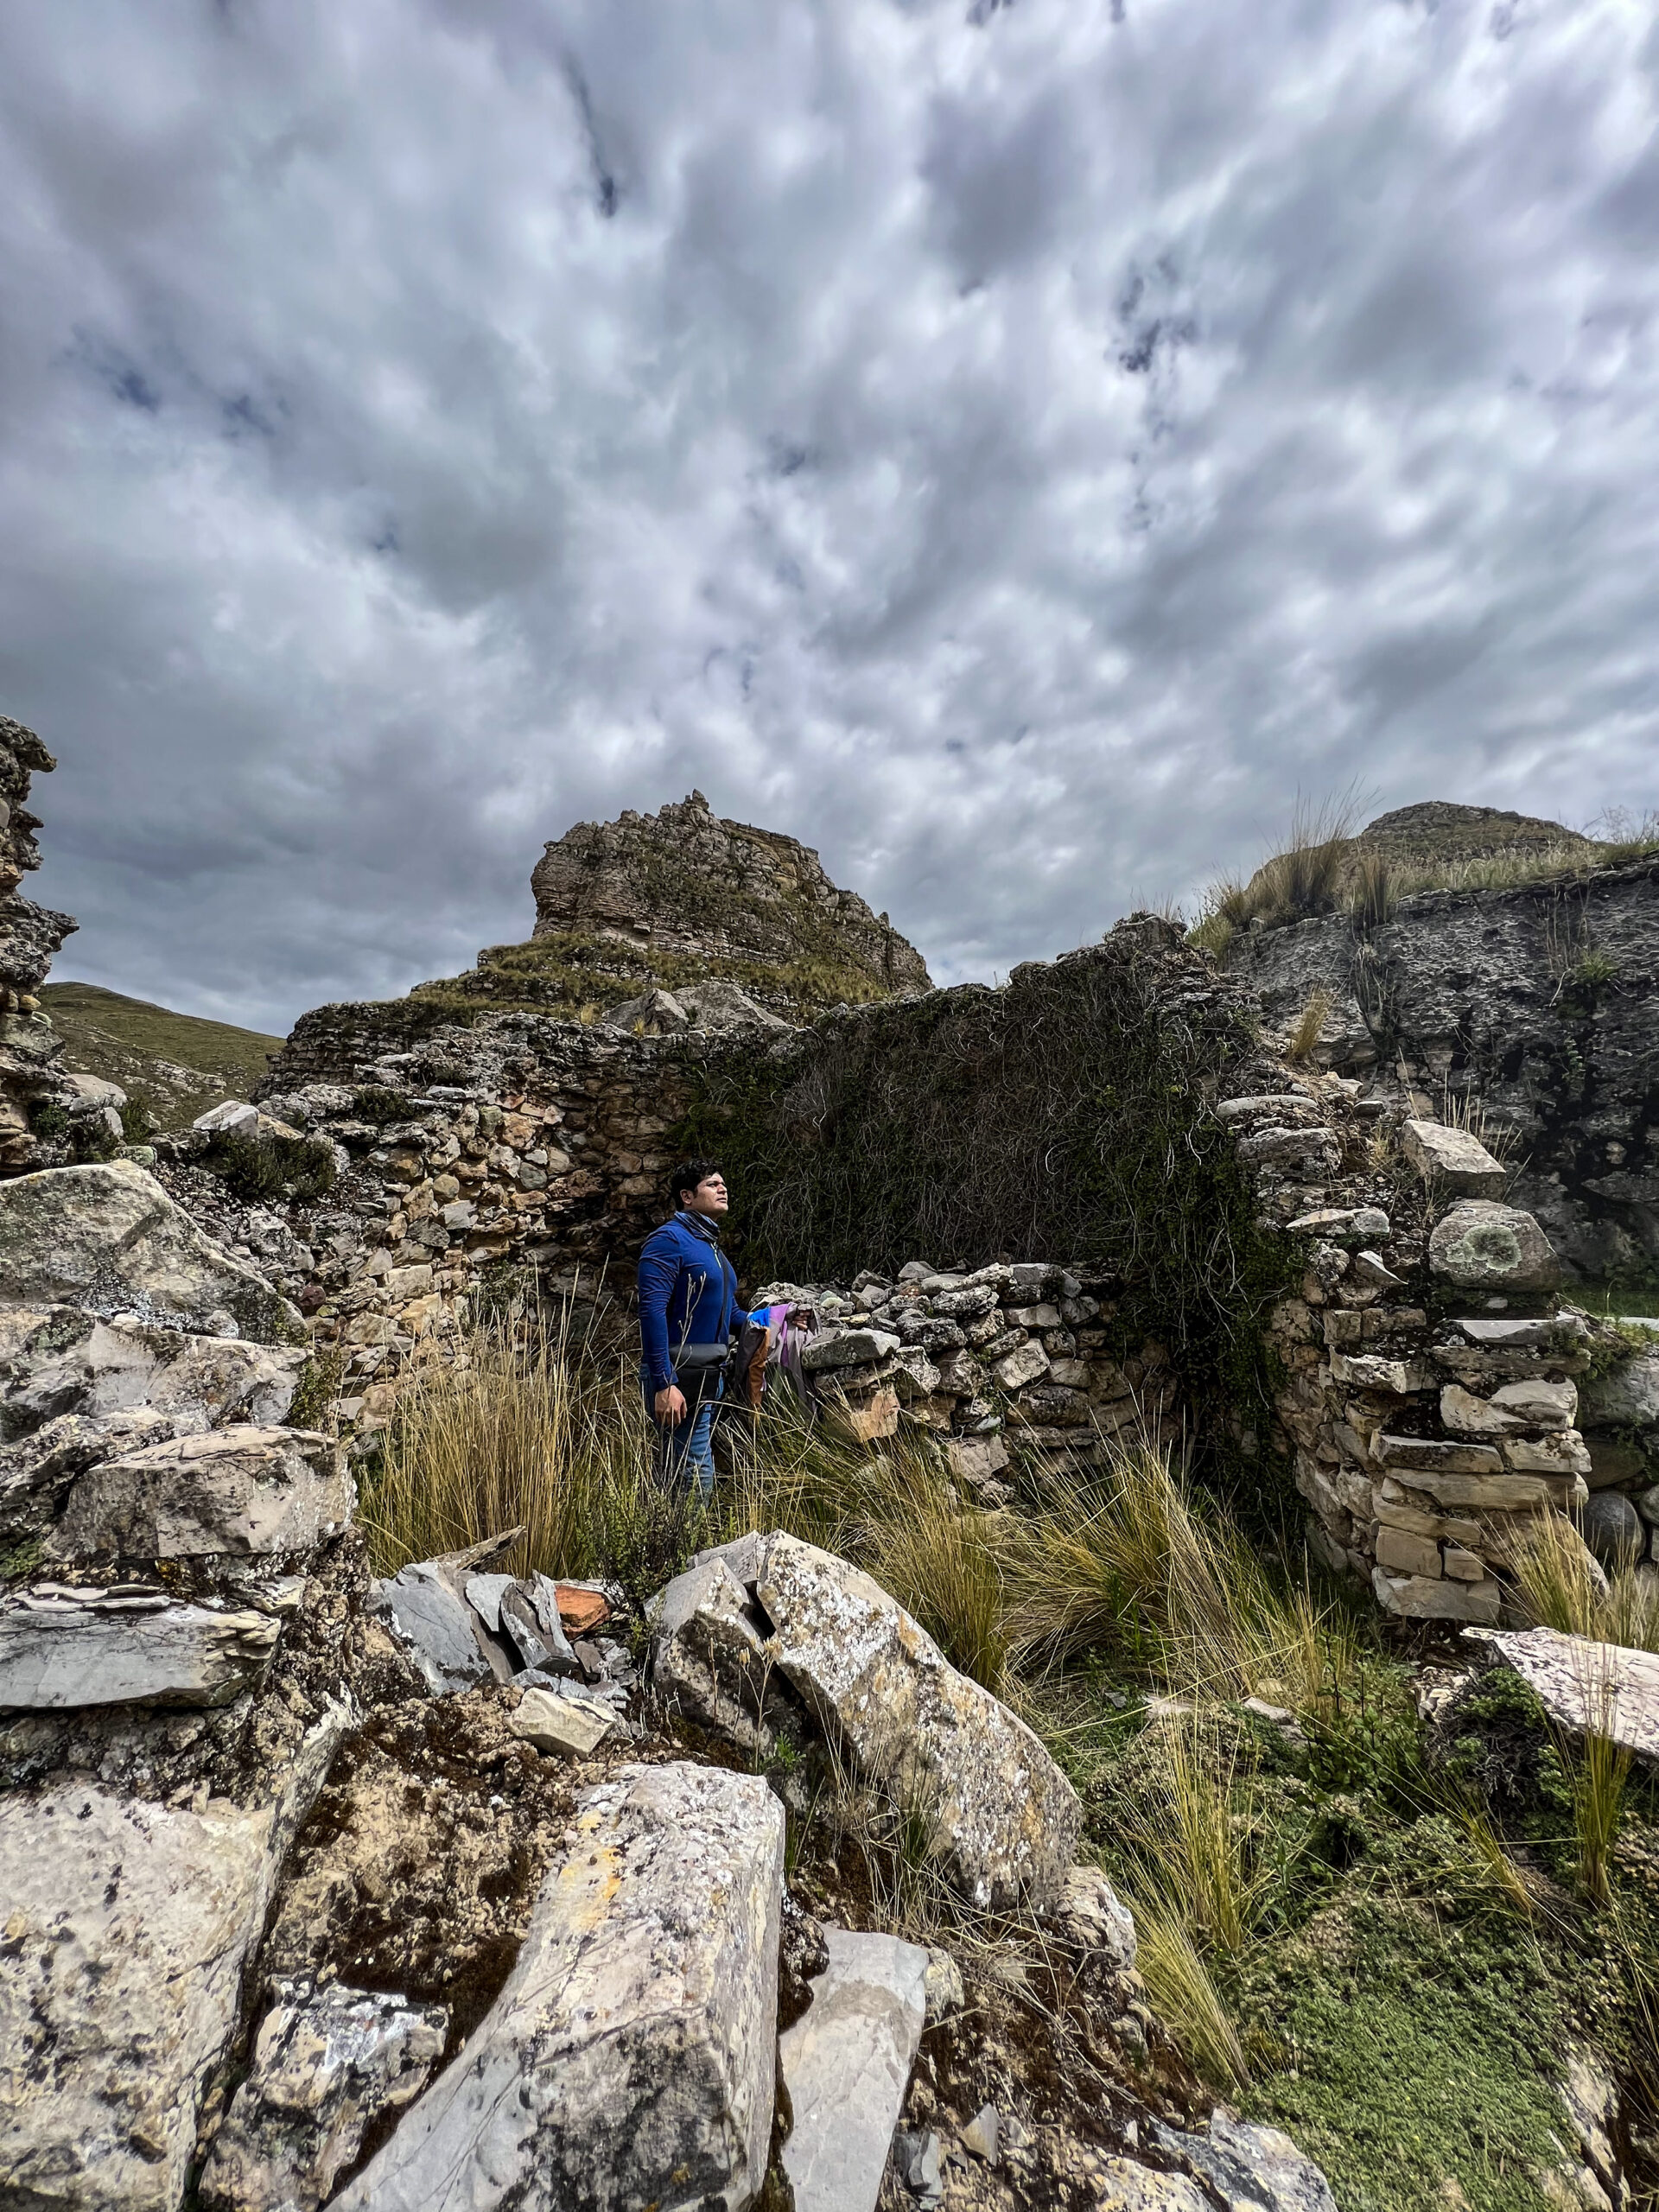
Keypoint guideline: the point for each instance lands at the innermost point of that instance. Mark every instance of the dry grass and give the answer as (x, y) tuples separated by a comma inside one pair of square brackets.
[(1323, 866), (1305, 1037), (1126, 1563), (1466, 1110), (534, 1433), (1374, 891), (1597, 1772), (1184, 1996), (1559, 1586)]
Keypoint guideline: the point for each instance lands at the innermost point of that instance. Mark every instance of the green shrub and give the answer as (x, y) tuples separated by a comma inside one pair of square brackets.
[(267, 1167)]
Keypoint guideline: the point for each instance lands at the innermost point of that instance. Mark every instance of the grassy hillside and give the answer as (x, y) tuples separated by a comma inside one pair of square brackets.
[(176, 1065)]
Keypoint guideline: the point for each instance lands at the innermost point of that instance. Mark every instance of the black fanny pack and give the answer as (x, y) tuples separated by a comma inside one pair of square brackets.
[(701, 1359)]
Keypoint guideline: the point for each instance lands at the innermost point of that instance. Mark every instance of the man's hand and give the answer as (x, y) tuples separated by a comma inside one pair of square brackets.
[(670, 1406)]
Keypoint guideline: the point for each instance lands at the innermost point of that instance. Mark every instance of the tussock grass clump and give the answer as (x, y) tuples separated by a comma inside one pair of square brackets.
[(1127, 1566), (1309, 1022), (1559, 1586), (531, 1434)]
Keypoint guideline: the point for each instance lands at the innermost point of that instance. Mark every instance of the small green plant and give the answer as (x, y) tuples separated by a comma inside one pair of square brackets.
[(269, 1167), (137, 1122), (375, 1104), (48, 1121)]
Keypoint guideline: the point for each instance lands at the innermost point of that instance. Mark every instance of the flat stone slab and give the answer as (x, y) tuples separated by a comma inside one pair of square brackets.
[(126, 1927), (235, 1491), (1004, 1819), (435, 1625), (56, 1654), (846, 2064), (1599, 1689), (630, 2058), (110, 1239)]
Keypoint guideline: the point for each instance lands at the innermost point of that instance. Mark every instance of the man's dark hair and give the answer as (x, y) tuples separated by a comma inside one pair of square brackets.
[(687, 1175)]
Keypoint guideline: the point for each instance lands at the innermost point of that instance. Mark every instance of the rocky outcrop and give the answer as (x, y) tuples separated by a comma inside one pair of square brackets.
[(108, 1239), (128, 1926), (31, 1085), (684, 897), (1537, 1003)]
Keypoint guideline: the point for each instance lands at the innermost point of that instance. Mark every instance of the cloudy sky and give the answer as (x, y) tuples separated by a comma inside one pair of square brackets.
[(1012, 447)]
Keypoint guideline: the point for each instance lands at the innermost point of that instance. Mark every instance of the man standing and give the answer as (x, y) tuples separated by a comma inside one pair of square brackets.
[(688, 1305)]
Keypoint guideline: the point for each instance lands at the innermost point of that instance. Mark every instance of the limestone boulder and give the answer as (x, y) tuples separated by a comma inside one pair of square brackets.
[(38, 1472), (127, 1927), (57, 1653), (846, 2064), (1003, 1820), (327, 2065), (1481, 1245), (630, 2058), (1625, 1397), (1246, 2167), (708, 1656), (73, 1361), (231, 1491), (109, 1238)]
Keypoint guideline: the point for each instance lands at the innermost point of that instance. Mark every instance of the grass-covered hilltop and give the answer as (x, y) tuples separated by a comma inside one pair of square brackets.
[(1160, 1711)]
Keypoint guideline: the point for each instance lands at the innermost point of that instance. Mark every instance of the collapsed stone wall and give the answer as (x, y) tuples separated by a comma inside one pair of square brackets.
[(1281, 1271), (1538, 1002), (47, 1118)]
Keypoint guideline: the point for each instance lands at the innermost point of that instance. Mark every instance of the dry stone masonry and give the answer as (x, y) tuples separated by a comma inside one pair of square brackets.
[(1536, 1003)]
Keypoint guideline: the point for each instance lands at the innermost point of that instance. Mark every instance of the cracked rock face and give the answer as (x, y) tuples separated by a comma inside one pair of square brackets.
[(108, 1238), (230, 1492), (636, 2038), (1004, 1819), (127, 1926), (325, 2066)]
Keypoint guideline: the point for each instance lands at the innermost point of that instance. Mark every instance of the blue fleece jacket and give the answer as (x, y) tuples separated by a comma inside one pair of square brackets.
[(688, 1293)]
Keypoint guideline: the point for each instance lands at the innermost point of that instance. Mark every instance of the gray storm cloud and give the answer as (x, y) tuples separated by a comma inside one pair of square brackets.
[(1013, 448)]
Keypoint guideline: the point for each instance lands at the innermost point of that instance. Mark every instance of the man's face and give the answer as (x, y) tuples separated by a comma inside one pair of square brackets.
[(709, 1198)]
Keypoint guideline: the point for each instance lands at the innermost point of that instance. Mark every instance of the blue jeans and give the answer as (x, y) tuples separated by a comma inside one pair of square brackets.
[(683, 1451)]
